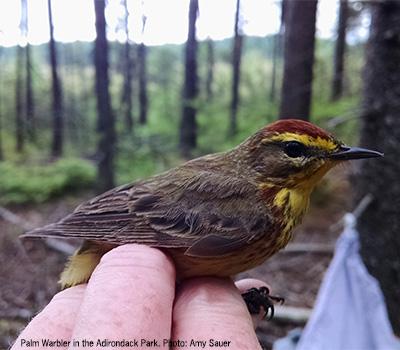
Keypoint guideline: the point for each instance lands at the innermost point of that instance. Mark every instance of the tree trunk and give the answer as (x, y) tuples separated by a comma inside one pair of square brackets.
[(277, 52), (75, 124), (379, 224), (1, 132), (143, 102), (210, 69), (1, 115), (299, 58), (340, 49), (57, 143), (85, 95), (236, 60), (128, 75), (30, 106), (188, 126), (19, 120), (105, 123), (29, 99)]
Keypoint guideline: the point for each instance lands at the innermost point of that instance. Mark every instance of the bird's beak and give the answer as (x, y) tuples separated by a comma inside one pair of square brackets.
[(347, 153)]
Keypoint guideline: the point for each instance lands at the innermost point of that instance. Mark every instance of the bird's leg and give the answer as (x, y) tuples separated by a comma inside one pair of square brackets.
[(257, 298)]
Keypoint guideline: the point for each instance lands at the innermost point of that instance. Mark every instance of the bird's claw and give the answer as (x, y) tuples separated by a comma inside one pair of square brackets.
[(257, 298)]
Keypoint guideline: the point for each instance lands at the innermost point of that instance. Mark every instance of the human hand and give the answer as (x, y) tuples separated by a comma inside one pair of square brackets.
[(131, 299)]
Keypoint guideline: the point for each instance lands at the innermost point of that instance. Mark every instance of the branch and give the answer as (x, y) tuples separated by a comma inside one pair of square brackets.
[(359, 209), (291, 314), (60, 246), (15, 219), (322, 248)]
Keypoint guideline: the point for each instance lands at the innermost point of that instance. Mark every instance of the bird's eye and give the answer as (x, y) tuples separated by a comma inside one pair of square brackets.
[(294, 149)]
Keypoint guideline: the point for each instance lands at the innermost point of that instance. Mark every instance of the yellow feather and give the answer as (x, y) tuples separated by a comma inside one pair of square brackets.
[(79, 268), (307, 140), (295, 201)]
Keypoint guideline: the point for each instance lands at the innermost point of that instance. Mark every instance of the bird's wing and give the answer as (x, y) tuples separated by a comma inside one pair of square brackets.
[(207, 213)]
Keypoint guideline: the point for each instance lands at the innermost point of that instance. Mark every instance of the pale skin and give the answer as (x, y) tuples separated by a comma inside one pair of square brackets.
[(132, 294)]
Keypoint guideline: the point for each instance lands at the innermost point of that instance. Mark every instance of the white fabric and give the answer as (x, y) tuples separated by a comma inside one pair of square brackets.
[(350, 312)]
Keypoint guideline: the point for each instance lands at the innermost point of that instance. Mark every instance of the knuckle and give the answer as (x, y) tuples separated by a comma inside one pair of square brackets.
[(136, 257)]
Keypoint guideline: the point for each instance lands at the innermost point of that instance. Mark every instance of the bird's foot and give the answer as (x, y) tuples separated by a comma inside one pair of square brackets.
[(257, 298)]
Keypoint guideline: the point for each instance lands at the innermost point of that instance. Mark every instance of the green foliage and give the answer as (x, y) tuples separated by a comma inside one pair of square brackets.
[(339, 117), (153, 148), (148, 154), (25, 183)]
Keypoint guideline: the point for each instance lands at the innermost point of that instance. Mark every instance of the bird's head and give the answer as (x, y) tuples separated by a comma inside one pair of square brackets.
[(295, 153)]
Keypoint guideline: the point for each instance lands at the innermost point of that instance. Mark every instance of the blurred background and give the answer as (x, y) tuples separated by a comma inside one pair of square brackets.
[(99, 93)]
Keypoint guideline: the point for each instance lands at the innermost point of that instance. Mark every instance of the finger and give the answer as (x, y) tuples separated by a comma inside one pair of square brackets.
[(247, 283), (129, 296), (244, 285), (210, 310), (56, 321)]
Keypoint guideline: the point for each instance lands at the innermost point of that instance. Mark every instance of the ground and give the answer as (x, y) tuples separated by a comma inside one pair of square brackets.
[(29, 271)]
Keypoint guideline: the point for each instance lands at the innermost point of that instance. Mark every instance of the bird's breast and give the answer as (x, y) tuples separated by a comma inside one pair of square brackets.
[(225, 265), (290, 204), (287, 207)]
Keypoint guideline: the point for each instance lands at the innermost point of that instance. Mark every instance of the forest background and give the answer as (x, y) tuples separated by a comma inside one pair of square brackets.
[(79, 118)]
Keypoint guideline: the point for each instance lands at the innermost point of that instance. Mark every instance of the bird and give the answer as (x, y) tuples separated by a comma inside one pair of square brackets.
[(217, 215)]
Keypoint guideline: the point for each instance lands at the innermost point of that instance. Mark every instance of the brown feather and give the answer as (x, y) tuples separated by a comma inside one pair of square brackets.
[(186, 207)]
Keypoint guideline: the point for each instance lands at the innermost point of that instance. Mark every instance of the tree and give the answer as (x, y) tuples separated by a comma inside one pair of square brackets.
[(29, 96), (277, 51), (1, 134), (75, 125), (106, 127), (19, 120), (1, 117), (19, 105), (210, 69), (188, 125), (128, 61), (284, 16), (340, 49), (236, 60), (57, 108), (379, 224), (299, 42), (30, 100), (142, 59)]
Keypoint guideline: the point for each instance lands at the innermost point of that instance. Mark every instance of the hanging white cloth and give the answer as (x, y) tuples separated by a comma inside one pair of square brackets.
[(350, 311)]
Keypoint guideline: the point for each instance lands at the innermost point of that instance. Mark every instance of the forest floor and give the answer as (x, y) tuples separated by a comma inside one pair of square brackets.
[(29, 271)]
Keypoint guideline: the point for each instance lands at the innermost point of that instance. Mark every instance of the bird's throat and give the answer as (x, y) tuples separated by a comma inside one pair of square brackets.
[(293, 202), (288, 204)]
